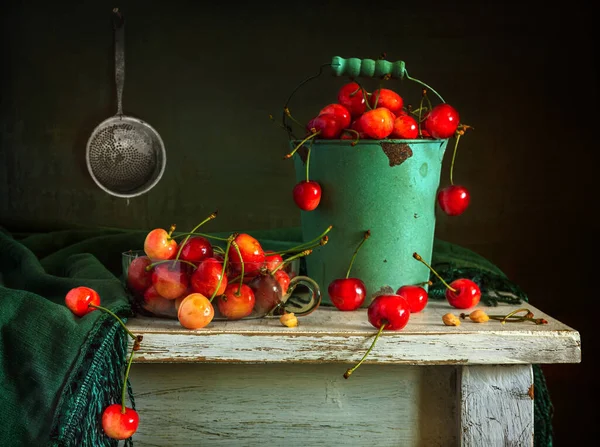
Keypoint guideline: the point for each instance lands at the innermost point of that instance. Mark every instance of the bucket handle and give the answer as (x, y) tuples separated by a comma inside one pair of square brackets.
[(365, 68)]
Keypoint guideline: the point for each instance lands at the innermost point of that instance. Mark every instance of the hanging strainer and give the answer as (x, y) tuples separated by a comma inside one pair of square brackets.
[(125, 155)]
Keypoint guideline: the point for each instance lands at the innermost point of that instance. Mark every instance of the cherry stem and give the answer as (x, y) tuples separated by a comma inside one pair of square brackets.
[(365, 96), (365, 237), (458, 135), (420, 259), (423, 84), (229, 241), (291, 154), (208, 236), (278, 123), (349, 372), (305, 245), (150, 266), (237, 248), (123, 391), (308, 159), (171, 230), (218, 249), (356, 135), (291, 258), (108, 311), (420, 110), (286, 110), (377, 95), (187, 238)]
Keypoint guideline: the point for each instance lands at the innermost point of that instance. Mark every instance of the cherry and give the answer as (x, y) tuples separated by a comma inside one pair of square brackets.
[(195, 311), (209, 279), (386, 98), (461, 293), (154, 303), (307, 195), (196, 249), (405, 128), (119, 424), (81, 299), (416, 296), (250, 253), (352, 97), (237, 302), (349, 293), (139, 278), (159, 245), (386, 312), (442, 121), (170, 279), (341, 112), (267, 292), (454, 199), (327, 126), (283, 278), (377, 123), (272, 260)]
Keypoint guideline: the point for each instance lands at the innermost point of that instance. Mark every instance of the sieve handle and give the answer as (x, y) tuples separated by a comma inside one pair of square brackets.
[(119, 28), (367, 68)]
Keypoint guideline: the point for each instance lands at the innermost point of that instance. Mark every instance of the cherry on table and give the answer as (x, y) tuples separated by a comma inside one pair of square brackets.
[(348, 293), (195, 311), (416, 296), (237, 302)]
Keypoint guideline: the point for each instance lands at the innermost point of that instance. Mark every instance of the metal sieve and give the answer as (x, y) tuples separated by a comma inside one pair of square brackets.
[(125, 155)]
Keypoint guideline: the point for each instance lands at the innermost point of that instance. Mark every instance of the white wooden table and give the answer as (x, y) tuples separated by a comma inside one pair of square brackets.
[(258, 383)]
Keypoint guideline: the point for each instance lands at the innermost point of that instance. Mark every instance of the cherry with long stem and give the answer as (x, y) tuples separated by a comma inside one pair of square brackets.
[(349, 371), (187, 238), (512, 317), (291, 258), (126, 376), (237, 249)]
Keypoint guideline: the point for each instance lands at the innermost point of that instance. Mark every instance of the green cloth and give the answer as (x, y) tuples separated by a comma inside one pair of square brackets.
[(60, 371)]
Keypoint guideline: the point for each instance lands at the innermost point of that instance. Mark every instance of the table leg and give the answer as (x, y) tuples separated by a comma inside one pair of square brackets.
[(496, 405)]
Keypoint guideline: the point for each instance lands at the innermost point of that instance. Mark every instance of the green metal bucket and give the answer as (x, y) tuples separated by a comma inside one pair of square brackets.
[(386, 186)]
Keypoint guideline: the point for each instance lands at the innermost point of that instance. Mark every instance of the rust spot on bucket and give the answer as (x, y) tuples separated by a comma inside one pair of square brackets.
[(396, 153)]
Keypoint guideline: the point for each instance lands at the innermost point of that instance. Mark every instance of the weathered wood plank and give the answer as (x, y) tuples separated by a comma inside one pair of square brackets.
[(294, 405), (329, 336), (496, 405)]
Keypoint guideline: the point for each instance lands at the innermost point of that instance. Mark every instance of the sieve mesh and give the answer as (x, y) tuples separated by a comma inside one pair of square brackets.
[(125, 156)]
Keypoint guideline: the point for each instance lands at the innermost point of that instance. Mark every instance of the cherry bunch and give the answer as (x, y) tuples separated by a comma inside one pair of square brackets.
[(184, 275), (378, 115)]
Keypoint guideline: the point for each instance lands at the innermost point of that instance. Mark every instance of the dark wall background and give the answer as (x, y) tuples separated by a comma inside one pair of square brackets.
[(207, 76)]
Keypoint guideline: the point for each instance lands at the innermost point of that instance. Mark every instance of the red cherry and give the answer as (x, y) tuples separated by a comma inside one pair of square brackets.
[(171, 279), (442, 121), (466, 294), (283, 278), (405, 128), (416, 296), (388, 99), (377, 123), (237, 302), (329, 125), (352, 98), (347, 293), (78, 300), (391, 310), (158, 245), (196, 249), (307, 195), (119, 425), (205, 278), (341, 112), (454, 199), (252, 253), (138, 277), (272, 260)]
